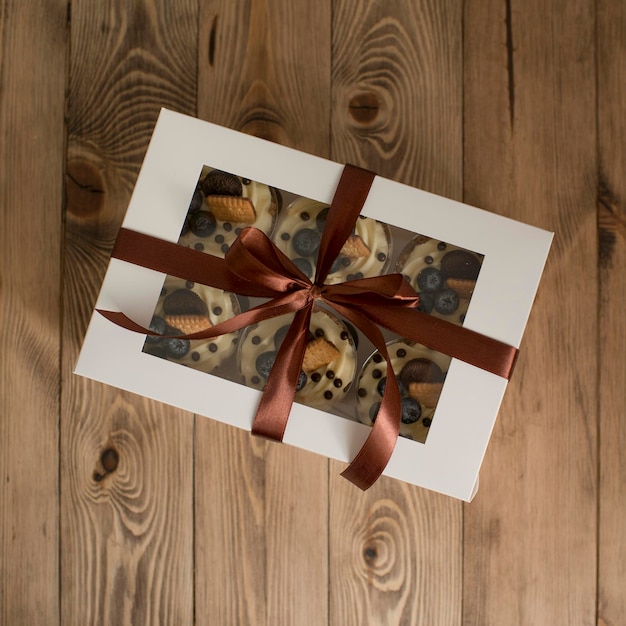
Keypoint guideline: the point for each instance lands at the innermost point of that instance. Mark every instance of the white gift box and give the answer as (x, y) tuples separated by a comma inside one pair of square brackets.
[(514, 256)]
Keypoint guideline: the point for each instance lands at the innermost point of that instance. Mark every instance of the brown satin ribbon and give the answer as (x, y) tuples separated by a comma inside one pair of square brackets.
[(255, 267)]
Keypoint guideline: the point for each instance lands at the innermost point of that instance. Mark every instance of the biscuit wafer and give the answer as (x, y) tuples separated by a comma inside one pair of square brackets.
[(426, 393), (319, 352), (232, 209)]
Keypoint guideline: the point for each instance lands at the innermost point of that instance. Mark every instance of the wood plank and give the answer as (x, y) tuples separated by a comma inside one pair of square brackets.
[(261, 508), (530, 153), (126, 462), (397, 102), (33, 72), (612, 238)]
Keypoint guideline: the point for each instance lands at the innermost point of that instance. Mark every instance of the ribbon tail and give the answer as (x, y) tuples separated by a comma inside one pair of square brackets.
[(275, 405), (273, 308), (372, 458)]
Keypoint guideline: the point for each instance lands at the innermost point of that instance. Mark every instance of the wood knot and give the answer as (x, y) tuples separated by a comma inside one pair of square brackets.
[(364, 107), (370, 554), (84, 188), (109, 460)]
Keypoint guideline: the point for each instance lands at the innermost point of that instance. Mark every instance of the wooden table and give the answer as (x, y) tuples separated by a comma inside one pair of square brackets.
[(117, 510)]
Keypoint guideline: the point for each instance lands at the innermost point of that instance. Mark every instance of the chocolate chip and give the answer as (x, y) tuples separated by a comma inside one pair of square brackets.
[(400, 353), (304, 216), (285, 236), (255, 380), (316, 377), (428, 260), (381, 256), (227, 226), (441, 246), (212, 347), (217, 310), (224, 248), (361, 392), (219, 238), (256, 340), (328, 395), (330, 374), (344, 335), (195, 356), (376, 373), (199, 246), (319, 332), (427, 421), (377, 358), (338, 382)]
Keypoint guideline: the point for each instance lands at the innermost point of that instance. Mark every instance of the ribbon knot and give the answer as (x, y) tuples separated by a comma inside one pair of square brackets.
[(254, 266), (316, 292)]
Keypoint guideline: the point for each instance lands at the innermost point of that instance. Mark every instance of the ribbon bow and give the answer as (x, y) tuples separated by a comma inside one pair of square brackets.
[(254, 266)]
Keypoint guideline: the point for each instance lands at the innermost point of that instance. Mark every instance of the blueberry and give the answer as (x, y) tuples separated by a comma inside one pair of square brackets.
[(306, 242), (301, 381), (411, 411), (176, 348), (374, 411), (383, 382), (430, 279), (336, 266), (264, 363), (426, 302), (446, 301), (157, 325), (320, 218), (304, 266), (202, 223), (280, 335)]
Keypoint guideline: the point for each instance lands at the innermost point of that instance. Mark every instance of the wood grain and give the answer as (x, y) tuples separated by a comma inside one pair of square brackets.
[(396, 550), (126, 462), (262, 508), (33, 72), (612, 257), (530, 534)]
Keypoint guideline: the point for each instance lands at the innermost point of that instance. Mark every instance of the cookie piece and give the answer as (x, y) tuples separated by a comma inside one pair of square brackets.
[(319, 352), (355, 248), (232, 209), (426, 393)]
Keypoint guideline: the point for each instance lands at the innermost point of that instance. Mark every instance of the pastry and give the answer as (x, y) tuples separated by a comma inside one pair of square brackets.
[(184, 308), (420, 373), (443, 274), (222, 205), (329, 362), (298, 234)]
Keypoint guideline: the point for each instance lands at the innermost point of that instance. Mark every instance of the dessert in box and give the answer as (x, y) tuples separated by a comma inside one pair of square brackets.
[(298, 234), (195, 306), (185, 307), (221, 206), (329, 363)]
